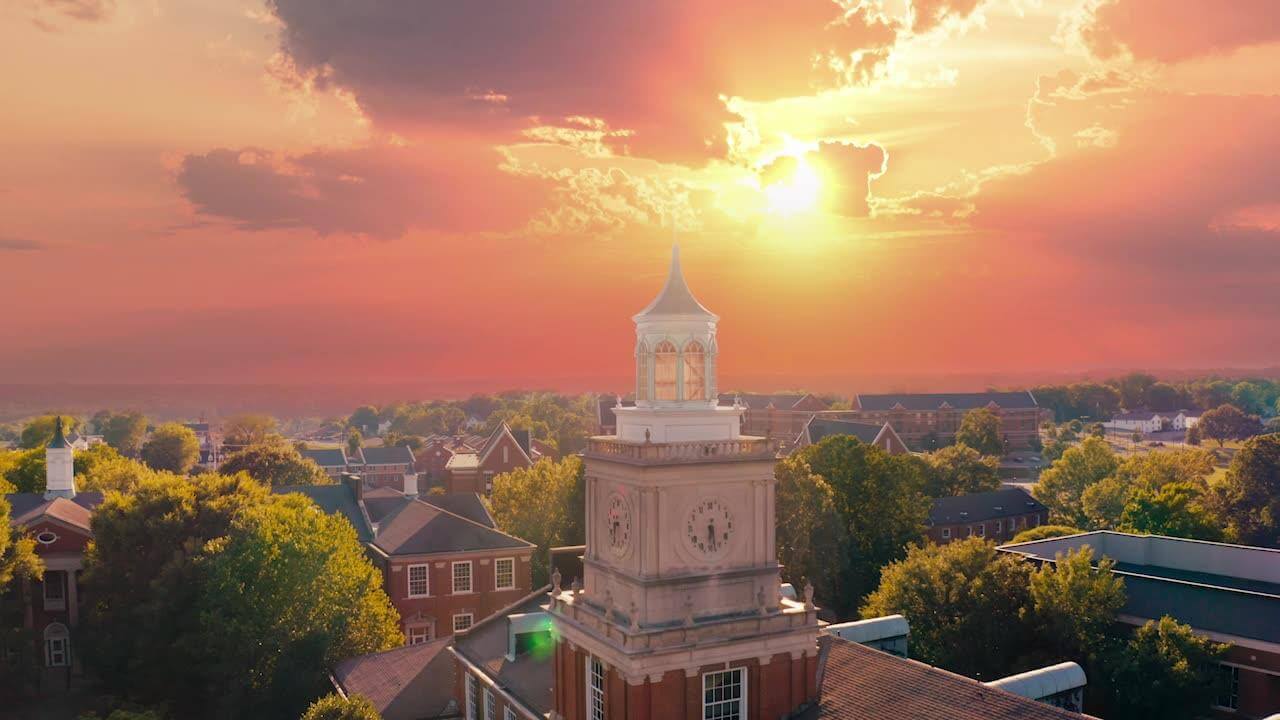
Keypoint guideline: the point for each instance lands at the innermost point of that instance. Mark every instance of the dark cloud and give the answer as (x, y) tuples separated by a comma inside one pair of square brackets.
[(658, 68), (13, 244), (379, 192), (1173, 30)]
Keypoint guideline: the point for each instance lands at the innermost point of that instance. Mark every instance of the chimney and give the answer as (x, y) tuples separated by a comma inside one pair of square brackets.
[(59, 468), (411, 484), (356, 483)]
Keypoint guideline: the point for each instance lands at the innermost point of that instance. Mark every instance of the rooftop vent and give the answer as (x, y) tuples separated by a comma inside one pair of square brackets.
[(526, 633)]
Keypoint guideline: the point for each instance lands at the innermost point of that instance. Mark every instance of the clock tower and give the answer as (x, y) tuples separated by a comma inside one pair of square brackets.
[(680, 615)]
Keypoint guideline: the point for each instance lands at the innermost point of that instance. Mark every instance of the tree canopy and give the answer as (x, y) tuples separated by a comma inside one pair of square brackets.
[(980, 430), (959, 470), (1042, 532), (172, 447), (1249, 494), (1061, 487), (123, 431), (335, 707), (249, 429), (39, 431), (275, 462), (965, 602), (544, 504), (810, 531), (1074, 604), (230, 583), (1175, 510), (880, 505), (1164, 671), (1228, 422)]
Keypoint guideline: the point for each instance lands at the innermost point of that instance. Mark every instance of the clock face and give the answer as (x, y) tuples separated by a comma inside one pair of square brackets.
[(709, 528), (618, 523)]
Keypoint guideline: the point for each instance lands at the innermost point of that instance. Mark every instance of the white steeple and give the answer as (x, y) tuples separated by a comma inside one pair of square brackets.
[(59, 468), (676, 396)]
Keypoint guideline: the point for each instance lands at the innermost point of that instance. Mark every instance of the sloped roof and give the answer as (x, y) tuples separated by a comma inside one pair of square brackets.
[(338, 498), (495, 438), (59, 440), (381, 502), (529, 677), (859, 682), (819, 427), (977, 507), (463, 461), (756, 401), (326, 457), (393, 455), (407, 683), (1138, 415), (417, 528), (675, 297), (958, 401), (26, 508)]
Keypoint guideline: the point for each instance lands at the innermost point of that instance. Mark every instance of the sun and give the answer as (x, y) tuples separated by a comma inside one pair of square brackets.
[(797, 193)]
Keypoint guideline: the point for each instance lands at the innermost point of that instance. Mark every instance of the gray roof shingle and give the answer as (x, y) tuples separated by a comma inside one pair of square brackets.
[(960, 401), (337, 498), (393, 455), (407, 683), (417, 528), (977, 507)]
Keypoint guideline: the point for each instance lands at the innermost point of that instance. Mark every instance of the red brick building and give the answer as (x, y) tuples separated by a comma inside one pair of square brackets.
[(431, 462), (880, 434), (922, 419), (997, 515), (58, 521), (503, 451), (445, 565), (779, 417), (382, 466)]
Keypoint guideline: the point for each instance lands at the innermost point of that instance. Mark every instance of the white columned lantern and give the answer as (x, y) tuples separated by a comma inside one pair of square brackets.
[(676, 396)]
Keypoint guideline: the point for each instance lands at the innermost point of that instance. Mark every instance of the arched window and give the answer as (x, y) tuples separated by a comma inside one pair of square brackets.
[(57, 645), (695, 372), (642, 373), (664, 371)]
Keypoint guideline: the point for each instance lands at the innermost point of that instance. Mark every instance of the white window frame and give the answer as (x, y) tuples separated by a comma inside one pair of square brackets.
[(595, 688), (1233, 692), (453, 570), (470, 699), (471, 621), (54, 579), (739, 713), (57, 635), (506, 454), (490, 712), (426, 580), (423, 630), (946, 533), (498, 585), (999, 527), (508, 713), (982, 530)]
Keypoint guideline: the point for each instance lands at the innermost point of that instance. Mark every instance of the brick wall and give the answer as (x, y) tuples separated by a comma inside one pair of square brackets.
[(437, 609)]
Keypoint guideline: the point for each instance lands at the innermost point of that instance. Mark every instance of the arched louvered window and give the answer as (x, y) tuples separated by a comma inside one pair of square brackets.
[(664, 371), (695, 372)]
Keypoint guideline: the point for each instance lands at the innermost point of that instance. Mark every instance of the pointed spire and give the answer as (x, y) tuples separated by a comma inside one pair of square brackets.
[(675, 298), (59, 439)]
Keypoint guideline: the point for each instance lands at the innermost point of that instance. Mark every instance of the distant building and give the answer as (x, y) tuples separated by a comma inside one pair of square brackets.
[(1148, 421), (445, 565), (998, 515), (1230, 593), (779, 416), (503, 451), (332, 460), (880, 434), (432, 461), (918, 417), (58, 521), (383, 466)]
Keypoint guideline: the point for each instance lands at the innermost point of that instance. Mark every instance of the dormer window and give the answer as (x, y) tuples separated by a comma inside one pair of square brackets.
[(665, 385), (695, 372)]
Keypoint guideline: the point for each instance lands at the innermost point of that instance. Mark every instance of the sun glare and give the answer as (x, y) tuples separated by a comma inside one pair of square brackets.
[(795, 194)]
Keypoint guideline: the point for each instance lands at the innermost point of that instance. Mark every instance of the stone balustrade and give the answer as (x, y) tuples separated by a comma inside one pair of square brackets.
[(744, 448)]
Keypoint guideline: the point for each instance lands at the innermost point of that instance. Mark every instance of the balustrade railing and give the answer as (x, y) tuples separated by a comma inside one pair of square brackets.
[(677, 451)]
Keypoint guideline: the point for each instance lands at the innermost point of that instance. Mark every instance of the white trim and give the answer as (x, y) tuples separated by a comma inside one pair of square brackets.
[(511, 560), (408, 579), (595, 697), (469, 690), (479, 674), (471, 621), (741, 672)]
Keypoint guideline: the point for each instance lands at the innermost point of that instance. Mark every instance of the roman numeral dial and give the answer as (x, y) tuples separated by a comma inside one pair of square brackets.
[(708, 529)]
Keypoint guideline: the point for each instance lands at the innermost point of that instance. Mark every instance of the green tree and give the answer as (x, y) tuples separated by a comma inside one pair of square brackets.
[(1227, 422), (1193, 435), (101, 468), (140, 572), (542, 504), (1042, 532), (39, 431), (1249, 494), (249, 429), (959, 470), (1252, 397), (286, 594), (1061, 487), (1104, 501), (336, 707), (1175, 510), (354, 442), (172, 447), (808, 526), (364, 419), (1074, 605), (1133, 389), (124, 431), (275, 463), (882, 507), (1165, 671), (1163, 397), (18, 558), (980, 430), (24, 470), (965, 602)]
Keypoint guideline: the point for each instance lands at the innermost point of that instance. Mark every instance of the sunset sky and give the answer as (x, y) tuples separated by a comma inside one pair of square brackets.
[(485, 191)]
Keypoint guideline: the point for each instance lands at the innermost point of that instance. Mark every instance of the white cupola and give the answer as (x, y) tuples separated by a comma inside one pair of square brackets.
[(675, 347), (676, 398), (59, 466)]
